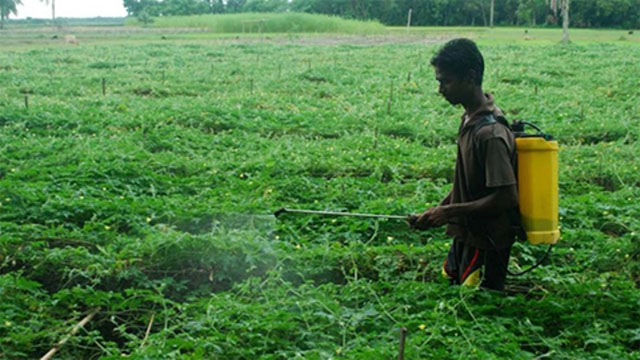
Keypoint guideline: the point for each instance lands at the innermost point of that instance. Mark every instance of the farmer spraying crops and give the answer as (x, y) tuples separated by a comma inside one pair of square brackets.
[(481, 210)]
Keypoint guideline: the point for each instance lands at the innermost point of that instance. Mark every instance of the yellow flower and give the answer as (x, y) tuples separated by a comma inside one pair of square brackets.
[(422, 326), (298, 246)]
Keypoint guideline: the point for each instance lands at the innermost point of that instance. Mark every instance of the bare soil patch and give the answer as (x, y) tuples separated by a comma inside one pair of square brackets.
[(367, 39), (93, 33)]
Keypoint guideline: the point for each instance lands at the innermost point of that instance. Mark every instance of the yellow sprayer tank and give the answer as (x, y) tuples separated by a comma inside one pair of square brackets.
[(538, 188)]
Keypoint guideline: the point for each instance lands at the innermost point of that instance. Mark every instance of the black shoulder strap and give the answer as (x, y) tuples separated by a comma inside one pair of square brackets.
[(485, 120), (488, 119), (482, 122)]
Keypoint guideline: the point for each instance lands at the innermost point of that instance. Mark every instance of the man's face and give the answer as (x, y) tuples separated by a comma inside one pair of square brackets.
[(452, 88)]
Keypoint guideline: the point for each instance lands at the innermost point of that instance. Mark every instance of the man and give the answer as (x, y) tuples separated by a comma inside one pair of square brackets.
[(481, 211)]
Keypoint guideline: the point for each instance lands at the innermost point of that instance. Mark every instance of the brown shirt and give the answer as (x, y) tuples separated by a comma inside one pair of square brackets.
[(486, 160)]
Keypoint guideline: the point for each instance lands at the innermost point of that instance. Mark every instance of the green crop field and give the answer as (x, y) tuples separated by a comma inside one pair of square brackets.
[(149, 205)]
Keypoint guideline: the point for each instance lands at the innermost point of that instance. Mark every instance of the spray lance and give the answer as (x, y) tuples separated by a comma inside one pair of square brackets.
[(281, 211)]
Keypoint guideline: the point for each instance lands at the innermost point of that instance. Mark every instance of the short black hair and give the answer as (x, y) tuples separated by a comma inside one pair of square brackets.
[(458, 56)]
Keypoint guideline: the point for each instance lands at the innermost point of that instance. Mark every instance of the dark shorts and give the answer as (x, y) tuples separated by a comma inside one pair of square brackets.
[(468, 265)]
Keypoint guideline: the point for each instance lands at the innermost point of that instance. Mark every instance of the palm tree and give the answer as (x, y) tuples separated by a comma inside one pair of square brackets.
[(8, 7), (53, 8), (493, 5), (563, 5)]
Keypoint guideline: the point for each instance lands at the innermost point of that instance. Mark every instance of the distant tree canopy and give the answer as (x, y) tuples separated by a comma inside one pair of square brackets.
[(584, 13), (8, 7)]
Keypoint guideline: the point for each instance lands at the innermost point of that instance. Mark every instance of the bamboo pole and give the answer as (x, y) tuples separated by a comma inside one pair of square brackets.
[(146, 334), (74, 331)]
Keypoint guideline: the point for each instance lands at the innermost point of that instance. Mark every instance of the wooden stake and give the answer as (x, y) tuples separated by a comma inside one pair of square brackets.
[(74, 331), (390, 98), (403, 335), (26, 101), (409, 77), (375, 137), (104, 87)]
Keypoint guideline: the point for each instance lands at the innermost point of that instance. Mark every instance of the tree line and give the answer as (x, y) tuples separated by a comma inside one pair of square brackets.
[(9, 7), (584, 13)]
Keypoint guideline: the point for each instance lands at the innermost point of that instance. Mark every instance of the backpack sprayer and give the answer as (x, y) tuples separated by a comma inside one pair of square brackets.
[(537, 183)]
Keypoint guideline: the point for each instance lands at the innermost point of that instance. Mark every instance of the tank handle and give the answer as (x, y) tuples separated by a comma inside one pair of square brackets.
[(518, 129)]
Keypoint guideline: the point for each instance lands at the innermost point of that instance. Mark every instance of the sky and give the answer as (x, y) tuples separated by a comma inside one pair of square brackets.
[(71, 9)]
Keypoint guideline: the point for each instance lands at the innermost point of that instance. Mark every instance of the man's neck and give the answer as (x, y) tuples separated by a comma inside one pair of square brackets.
[(475, 101)]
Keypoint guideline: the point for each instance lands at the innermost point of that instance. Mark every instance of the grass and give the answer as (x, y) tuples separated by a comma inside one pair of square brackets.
[(104, 200), (533, 35), (268, 23)]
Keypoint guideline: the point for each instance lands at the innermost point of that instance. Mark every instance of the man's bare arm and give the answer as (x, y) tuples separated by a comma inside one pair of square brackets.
[(447, 199), (423, 224), (502, 199)]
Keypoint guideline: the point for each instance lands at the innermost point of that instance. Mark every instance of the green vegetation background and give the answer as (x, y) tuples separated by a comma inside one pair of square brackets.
[(144, 202), (583, 13)]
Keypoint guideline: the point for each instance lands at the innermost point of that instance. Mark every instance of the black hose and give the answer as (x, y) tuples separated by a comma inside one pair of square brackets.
[(537, 264), (533, 126), (520, 131)]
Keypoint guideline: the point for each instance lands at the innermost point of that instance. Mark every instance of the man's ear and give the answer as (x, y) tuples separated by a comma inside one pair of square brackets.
[(471, 76)]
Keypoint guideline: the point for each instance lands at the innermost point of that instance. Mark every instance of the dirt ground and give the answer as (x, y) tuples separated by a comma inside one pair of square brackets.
[(88, 34), (367, 39)]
